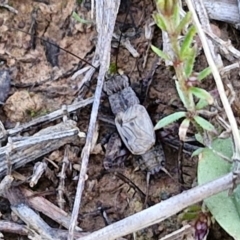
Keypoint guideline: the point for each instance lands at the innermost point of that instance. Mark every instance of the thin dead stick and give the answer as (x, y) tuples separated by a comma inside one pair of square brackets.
[(162, 210), (205, 25), (218, 81), (50, 117), (230, 67), (226, 48), (105, 18), (62, 176), (34, 221), (180, 234), (41, 143), (11, 227), (40, 204)]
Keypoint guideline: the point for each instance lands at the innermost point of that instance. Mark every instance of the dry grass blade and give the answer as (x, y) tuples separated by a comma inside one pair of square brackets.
[(162, 210), (186, 232), (218, 81), (49, 117), (106, 13)]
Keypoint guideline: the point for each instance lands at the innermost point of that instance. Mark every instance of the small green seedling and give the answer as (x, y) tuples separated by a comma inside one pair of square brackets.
[(214, 158), (168, 19)]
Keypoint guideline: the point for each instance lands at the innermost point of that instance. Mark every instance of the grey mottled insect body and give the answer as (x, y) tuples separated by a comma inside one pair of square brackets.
[(120, 95), (136, 129), (153, 160), (134, 124)]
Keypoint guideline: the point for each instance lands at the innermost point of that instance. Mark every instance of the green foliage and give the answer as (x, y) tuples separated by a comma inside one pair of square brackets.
[(168, 19), (112, 68), (223, 207), (187, 42), (169, 119), (203, 123), (236, 198), (160, 53), (199, 138), (189, 55), (160, 5), (176, 16), (79, 19), (197, 152), (79, 2), (180, 94), (202, 103), (183, 23), (204, 73), (190, 213), (202, 94), (31, 112), (160, 21)]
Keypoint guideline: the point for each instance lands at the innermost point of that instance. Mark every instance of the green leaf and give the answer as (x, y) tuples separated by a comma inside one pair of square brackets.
[(169, 7), (202, 103), (112, 68), (194, 208), (203, 123), (222, 206), (160, 5), (176, 14), (199, 138), (204, 73), (160, 21), (79, 19), (188, 216), (184, 97), (202, 94), (189, 59), (188, 40), (160, 53), (180, 94), (236, 198), (197, 152), (186, 20), (169, 119)]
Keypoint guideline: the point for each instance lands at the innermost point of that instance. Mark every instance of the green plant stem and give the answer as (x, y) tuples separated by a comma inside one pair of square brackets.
[(178, 66)]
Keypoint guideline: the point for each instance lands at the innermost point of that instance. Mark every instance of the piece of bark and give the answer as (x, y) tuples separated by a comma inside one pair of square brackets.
[(11, 227), (45, 141), (223, 10), (21, 203), (47, 208)]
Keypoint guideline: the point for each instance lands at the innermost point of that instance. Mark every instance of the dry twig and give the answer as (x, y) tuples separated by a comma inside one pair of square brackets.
[(162, 210), (62, 176), (46, 118), (220, 87), (27, 149), (106, 12)]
